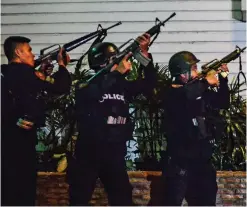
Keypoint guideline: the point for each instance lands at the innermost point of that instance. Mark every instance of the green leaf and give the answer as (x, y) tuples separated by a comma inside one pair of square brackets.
[(239, 129)]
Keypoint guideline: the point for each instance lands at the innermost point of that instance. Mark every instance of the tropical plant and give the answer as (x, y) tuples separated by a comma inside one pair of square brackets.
[(149, 137), (148, 115), (60, 123), (230, 150)]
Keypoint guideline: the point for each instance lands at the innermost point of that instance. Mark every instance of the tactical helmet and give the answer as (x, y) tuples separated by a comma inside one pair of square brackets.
[(99, 55), (181, 62)]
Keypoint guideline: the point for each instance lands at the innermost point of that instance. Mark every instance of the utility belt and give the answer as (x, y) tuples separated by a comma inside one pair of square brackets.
[(111, 133)]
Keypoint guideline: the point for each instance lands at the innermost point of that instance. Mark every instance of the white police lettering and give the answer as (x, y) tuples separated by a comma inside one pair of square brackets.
[(112, 96), (118, 120)]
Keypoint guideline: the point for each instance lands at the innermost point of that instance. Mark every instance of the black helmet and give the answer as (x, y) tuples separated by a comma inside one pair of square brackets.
[(99, 55), (181, 62)]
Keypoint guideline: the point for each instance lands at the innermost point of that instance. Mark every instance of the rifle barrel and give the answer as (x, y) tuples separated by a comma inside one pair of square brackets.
[(76, 43), (172, 15), (118, 23)]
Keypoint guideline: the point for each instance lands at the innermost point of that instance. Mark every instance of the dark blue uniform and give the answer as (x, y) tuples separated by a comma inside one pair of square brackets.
[(189, 172), (21, 89), (104, 124)]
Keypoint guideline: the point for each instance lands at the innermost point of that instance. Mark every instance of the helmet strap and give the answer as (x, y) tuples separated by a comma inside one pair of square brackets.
[(185, 77), (182, 79), (177, 80)]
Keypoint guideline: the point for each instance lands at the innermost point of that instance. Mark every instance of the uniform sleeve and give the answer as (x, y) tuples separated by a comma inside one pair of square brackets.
[(58, 83), (195, 89), (143, 85), (219, 99), (29, 86), (189, 91)]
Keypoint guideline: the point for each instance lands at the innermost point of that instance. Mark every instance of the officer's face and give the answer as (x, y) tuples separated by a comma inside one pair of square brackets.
[(24, 54), (194, 71)]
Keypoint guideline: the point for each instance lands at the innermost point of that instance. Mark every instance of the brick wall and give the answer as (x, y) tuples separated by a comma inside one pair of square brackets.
[(53, 190)]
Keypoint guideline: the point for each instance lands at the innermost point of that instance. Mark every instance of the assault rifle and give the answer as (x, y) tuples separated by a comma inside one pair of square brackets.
[(52, 55), (134, 49), (214, 65)]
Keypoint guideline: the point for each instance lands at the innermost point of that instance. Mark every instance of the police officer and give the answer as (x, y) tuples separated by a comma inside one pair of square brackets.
[(104, 126), (22, 113), (189, 172)]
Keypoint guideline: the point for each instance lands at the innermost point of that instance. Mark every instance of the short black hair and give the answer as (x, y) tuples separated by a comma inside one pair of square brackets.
[(11, 43)]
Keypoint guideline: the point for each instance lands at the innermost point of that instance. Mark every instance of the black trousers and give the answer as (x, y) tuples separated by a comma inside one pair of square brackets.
[(18, 166), (196, 182), (104, 161)]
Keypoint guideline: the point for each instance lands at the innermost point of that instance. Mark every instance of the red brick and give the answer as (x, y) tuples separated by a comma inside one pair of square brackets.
[(228, 203), (143, 185), (154, 173), (237, 185), (140, 192), (146, 197), (240, 186), (137, 174), (63, 185), (52, 202), (226, 191), (138, 180), (62, 191), (243, 180), (99, 190), (222, 180), (63, 202), (239, 174), (96, 196), (64, 196), (140, 201), (233, 180), (239, 191), (52, 190), (57, 174), (224, 174), (92, 201), (227, 196), (231, 197), (228, 182), (230, 185), (239, 196), (221, 185)]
